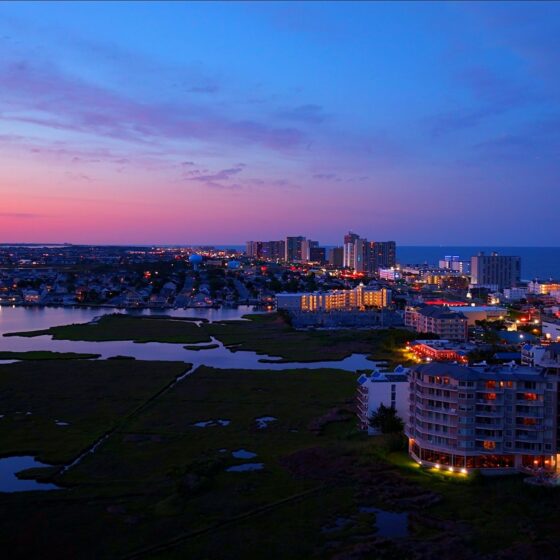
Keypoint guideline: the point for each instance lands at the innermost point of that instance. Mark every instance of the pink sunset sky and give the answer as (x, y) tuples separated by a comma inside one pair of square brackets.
[(222, 122)]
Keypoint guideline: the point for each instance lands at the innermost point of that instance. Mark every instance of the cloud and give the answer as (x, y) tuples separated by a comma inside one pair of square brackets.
[(492, 95), (42, 95), (222, 175)]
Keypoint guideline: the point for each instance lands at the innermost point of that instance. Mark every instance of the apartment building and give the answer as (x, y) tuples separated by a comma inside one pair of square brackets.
[(493, 418), (368, 257), (547, 357), (294, 249), (267, 250), (438, 320)]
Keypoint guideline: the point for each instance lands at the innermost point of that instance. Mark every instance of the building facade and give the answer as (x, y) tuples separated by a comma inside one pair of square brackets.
[(360, 297), (294, 249), (496, 418), (494, 271), (437, 320), (382, 254), (335, 257), (380, 388)]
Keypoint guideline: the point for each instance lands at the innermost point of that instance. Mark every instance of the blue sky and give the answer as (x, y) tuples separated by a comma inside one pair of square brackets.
[(427, 123)]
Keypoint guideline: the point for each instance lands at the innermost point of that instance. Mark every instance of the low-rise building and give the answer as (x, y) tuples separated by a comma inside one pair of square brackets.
[(551, 329), (382, 388), (441, 350), (442, 321), (481, 313), (361, 297)]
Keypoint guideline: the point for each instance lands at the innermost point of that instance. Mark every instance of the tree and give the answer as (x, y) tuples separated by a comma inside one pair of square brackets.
[(386, 420)]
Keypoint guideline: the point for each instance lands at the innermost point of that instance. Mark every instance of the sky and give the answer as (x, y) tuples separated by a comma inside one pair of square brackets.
[(208, 122)]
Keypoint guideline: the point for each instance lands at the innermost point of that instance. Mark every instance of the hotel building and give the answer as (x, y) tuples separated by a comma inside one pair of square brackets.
[(496, 418), (494, 271), (360, 297)]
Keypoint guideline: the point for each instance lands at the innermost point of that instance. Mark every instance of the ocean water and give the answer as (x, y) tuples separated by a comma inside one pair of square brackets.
[(536, 262)]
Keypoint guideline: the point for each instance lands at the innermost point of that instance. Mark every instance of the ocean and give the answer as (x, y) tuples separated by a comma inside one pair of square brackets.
[(536, 262)]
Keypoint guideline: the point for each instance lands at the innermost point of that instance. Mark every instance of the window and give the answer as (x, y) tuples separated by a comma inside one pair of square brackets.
[(489, 444)]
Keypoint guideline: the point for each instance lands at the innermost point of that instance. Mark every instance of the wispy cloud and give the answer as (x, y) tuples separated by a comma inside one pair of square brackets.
[(43, 95)]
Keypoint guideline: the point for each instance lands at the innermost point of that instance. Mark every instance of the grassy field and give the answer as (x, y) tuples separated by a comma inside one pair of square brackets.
[(158, 487), (264, 334), (124, 327), (90, 396)]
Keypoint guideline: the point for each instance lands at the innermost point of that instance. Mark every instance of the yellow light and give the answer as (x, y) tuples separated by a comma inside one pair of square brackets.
[(450, 469), (437, 466), (464, 471)]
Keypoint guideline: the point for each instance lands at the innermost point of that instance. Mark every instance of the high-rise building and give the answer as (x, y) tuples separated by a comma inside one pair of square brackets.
[(335, 256), (382, 254), (254, 249), (293, 249), (306, 246), (368, 257), (494, 271), (317, 255), (274, 250), (348, 247)]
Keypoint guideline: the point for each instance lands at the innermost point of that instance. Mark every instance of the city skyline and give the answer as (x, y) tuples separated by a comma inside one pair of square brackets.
[(199, 123)]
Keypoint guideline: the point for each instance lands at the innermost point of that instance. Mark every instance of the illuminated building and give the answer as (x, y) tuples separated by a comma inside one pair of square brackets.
[(366, 256), (543, 288), (360, 297), (454, 262), (496, 418), (551, 329), (441, 350), (437, 320)]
